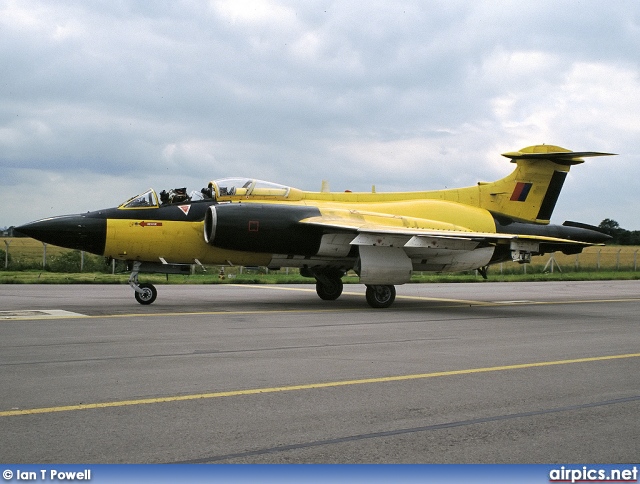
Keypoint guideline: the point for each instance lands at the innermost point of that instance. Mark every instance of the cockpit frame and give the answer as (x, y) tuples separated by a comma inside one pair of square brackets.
[(146, 200), (239, 188)]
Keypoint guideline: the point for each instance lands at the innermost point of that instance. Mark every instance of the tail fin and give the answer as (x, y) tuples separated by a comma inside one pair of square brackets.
[(530, 193)]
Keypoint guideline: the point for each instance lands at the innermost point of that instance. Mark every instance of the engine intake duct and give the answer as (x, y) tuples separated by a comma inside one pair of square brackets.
[(264, 228)]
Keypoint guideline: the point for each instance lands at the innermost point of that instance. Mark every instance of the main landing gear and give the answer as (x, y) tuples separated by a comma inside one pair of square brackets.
[(329, 289), (144, 293), (328, 282), (379, 296)]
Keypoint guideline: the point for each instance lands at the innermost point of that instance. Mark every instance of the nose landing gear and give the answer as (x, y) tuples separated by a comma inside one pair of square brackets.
[(144, 293)]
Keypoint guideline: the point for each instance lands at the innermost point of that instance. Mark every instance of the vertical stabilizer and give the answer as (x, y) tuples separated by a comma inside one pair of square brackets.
[(531, 191)]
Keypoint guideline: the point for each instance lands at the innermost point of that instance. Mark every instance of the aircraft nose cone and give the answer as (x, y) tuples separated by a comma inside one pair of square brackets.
[(71, 231)]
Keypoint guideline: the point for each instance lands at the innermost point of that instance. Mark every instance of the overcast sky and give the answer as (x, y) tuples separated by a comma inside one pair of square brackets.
[(100, 100)]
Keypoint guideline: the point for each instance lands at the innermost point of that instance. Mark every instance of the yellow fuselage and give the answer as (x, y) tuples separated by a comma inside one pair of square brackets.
[(182, 241)]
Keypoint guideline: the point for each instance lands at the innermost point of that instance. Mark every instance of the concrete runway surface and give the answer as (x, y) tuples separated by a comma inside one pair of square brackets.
[(451, 373)]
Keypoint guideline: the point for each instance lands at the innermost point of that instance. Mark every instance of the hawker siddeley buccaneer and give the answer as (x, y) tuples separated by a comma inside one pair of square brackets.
[(383, 237)]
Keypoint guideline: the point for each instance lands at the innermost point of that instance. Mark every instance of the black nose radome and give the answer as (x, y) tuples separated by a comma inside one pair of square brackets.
[(70, 231)]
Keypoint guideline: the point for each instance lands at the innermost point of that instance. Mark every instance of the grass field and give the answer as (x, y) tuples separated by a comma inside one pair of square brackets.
[(28, 250)]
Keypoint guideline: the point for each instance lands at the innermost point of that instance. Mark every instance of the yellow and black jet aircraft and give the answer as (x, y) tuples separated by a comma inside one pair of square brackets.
[(383, 237)]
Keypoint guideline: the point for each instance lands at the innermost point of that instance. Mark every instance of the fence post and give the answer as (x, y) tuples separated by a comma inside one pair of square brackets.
[(635, 260), (44, 254), (577, 262), (618, 260), (598, 259), (82, 261), (6, 254)]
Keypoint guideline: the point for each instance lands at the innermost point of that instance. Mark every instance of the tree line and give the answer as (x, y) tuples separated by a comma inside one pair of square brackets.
[(620, 236)]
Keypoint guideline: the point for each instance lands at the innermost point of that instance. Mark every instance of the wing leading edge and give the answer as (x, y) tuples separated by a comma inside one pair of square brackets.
[(379, 234)]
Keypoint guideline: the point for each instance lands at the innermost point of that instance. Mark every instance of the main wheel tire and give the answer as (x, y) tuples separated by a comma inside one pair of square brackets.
[(379, 296), (330, 291), (148, 294)]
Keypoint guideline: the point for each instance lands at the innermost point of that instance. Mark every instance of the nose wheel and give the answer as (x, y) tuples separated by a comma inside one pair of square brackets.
[(147, 293)]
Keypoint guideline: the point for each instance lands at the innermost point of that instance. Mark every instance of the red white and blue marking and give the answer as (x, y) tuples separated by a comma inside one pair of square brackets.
[(521, 191)]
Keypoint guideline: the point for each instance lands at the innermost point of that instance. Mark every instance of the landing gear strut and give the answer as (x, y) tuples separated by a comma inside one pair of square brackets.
[(144, 293), (379, 296)]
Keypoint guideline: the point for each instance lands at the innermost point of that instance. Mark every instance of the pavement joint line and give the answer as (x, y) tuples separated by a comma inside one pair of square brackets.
[(308, 386)]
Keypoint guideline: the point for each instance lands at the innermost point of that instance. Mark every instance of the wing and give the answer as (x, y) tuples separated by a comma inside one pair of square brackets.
[(389, 252), (368, 233)]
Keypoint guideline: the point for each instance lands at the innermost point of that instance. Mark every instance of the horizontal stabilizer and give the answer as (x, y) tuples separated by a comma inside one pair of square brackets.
[(559, 157)]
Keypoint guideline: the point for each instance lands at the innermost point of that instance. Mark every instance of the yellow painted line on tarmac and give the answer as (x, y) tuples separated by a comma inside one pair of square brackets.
[(309, 386), (569, 301), (464, 302), (276, 287)]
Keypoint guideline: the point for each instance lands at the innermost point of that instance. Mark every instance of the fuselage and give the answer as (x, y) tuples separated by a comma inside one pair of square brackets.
[(263, 232)]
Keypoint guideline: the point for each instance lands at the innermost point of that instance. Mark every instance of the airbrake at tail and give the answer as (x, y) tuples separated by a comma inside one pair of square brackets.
[(383, 237)]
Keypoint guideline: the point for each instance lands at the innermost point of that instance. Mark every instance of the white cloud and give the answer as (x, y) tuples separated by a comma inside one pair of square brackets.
[(254, 12)]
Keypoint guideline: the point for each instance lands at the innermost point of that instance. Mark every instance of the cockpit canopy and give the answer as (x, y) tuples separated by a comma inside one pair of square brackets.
[(224, 189), (229, 188)]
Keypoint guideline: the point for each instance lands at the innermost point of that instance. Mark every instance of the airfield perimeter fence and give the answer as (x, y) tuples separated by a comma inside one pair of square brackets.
[(18, 253)]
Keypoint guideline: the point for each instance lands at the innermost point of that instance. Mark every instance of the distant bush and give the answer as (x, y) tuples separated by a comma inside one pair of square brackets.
[(71, 262)]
